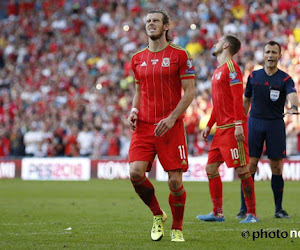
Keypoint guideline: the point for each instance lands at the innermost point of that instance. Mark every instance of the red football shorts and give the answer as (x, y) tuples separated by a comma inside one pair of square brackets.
[(171, 148), (224, 147)]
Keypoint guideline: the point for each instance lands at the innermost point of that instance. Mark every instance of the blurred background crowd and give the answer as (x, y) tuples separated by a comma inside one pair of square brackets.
[(66, 84)]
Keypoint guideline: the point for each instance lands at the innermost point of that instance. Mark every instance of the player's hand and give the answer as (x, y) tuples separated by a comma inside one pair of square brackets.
[(204, 134), (291, 111), (132, 118), (239, 133), (163, 126)]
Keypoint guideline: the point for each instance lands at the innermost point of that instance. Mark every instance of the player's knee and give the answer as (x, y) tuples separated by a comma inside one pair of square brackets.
[(253, 165), (252, 168), (276, 170), (174, 182), (276, 166), (136, 173), (211, 169), (241, 170), (137, 170)]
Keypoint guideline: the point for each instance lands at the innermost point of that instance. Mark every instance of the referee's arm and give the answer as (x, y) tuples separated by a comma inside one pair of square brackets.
[(293, 99)]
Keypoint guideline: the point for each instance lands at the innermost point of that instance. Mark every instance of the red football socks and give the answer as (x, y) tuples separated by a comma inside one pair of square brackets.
[(216, 189), (177, 200), (144, 188), (248, 191)]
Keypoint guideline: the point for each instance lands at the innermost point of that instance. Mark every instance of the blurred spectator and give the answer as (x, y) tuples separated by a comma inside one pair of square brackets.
[(85, 140), (101, 144), (124, 142), (194, 47), (199, 146), (70, 142), (192, 124), (56, 144), (292, 131), (33, 139), (17, 147), (114, 144), (4, 143)]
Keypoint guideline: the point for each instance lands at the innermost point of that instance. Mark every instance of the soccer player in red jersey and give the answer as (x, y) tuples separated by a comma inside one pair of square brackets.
[(230, 143), (163, 71)]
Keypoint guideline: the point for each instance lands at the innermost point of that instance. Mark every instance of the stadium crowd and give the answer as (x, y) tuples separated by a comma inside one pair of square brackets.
[(66, 84)]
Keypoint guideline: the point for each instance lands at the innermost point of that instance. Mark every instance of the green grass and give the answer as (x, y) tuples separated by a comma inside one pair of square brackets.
[(109, 215)]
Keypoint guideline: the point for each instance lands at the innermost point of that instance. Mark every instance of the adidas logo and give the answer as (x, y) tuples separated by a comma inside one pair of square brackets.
[(183, 162), (144, 64)]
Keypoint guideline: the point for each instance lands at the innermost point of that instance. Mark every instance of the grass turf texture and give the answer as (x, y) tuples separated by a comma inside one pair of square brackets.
[(109, 215)]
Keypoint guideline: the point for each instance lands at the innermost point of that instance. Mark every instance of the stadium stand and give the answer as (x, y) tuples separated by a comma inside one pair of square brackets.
[(65, 67)]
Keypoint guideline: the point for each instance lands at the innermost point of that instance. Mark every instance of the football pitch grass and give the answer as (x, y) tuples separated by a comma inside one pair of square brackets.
[(102, 214)]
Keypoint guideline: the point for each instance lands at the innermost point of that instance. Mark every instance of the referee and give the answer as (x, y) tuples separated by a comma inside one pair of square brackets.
[(266, 91)]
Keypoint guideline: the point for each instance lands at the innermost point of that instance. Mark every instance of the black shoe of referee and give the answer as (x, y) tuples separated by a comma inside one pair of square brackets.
[(282, 215), (241, 214)]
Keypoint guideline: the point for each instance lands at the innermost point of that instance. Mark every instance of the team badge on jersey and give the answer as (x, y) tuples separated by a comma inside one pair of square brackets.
[(218, 76), (274, 95), (165, 62), (189, 63), (232, 75)]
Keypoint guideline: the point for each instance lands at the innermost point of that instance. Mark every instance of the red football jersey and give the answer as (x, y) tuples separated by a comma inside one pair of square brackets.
[(227, 95), (159, 74)]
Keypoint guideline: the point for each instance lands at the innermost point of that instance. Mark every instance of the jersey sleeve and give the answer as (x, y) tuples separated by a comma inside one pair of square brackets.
[(289, 85), (186, 67), (248, 90), (133, 67), (212, 119), (236, 85)]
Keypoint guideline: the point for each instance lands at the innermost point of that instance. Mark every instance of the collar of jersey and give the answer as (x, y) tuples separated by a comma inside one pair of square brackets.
[(224, 63), (270, 75), (158, 50)]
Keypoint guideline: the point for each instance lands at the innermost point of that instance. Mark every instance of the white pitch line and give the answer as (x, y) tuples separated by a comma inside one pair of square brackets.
[(46, 233)]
